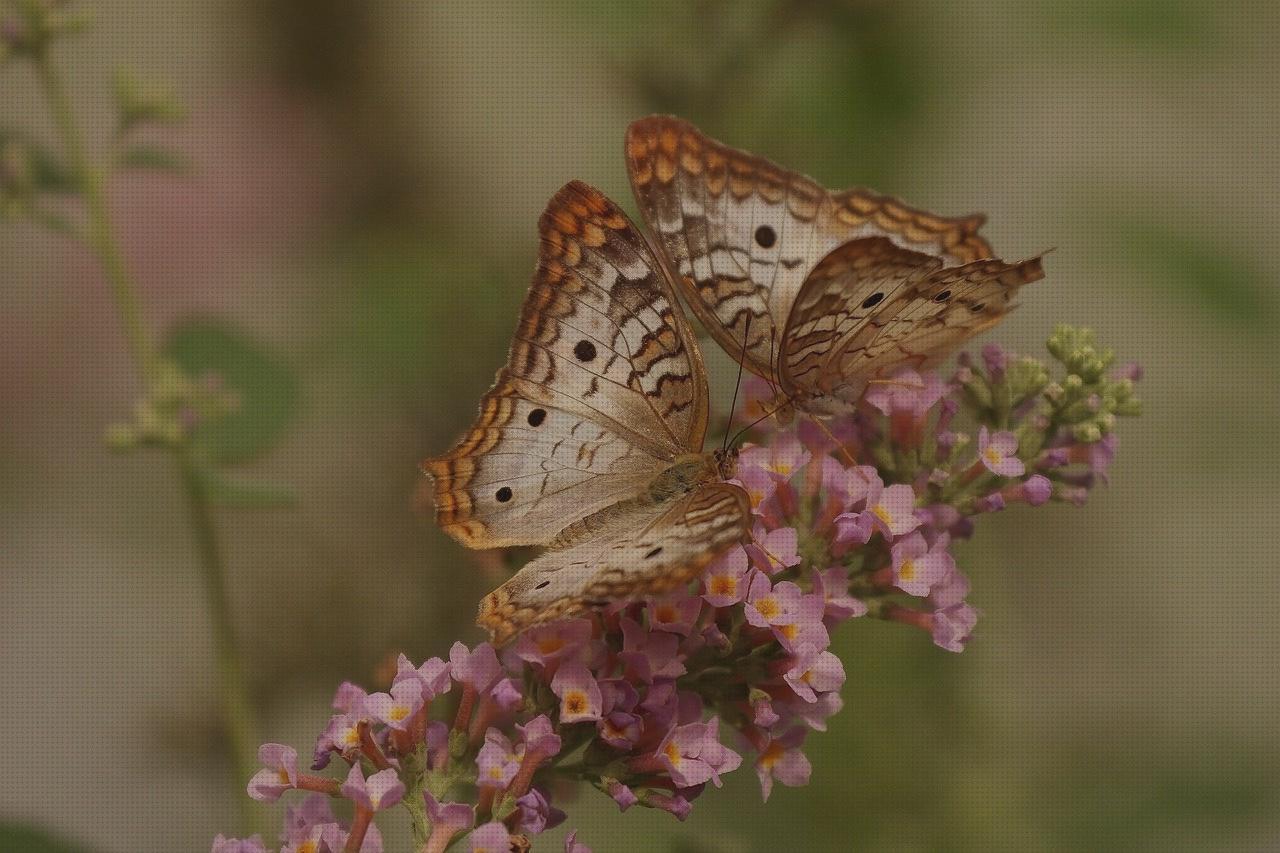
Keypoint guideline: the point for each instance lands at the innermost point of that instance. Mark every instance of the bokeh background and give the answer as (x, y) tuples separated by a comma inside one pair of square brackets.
[(357, 230)]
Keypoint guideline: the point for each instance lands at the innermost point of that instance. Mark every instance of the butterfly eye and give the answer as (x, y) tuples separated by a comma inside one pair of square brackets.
[(537, 416), (503, 495), (943, 296), (655, 552), (585, 350), (765, 236), (872, 301)]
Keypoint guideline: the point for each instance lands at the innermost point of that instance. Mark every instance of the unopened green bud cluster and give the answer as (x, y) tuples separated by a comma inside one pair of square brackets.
[(168, 415), (1088, 399)]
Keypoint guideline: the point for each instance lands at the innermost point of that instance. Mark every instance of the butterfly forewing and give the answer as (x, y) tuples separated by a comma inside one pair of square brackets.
[(527, 464), (639, 549), (723, 219), (840, 288), (743, 233), (602, 390)]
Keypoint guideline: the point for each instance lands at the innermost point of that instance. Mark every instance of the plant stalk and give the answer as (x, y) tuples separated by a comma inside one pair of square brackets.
[(237, 709)]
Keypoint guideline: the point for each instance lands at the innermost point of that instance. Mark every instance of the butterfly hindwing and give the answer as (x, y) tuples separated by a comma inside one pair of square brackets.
[(845, 292), (871, 308), (639, 549), (930, 321)]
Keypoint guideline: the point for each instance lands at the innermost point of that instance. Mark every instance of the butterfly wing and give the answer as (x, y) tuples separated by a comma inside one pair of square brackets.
[(640, 550), (845, 292), (742, 234), (603, 387), (871, 307)]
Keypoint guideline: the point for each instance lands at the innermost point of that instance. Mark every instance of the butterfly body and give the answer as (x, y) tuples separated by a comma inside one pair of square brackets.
[(688, 473)]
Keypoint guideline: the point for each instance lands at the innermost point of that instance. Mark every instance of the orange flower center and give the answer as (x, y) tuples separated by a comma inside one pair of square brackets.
[(770, 756), (550, 644), (575, 702), (724, 585)]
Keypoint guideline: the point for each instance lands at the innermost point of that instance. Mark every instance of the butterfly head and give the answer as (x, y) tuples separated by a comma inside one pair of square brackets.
[(725, 461)]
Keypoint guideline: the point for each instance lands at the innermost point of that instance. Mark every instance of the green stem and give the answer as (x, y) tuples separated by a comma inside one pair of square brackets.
[(237, 710), (101, 235)]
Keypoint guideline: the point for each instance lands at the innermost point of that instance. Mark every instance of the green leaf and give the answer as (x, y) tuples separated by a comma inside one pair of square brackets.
[(33, 839), (153, 157), (45, 169), (241, 493), (267, 390)]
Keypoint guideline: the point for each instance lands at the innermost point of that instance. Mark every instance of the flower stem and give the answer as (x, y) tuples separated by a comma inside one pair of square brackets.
[(237, 711), (101, 236)]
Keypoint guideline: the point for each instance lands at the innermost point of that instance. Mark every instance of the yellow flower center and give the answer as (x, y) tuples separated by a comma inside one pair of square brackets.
[(756, 497), (790, 631), (907, 571), (308, 847), (724, 585), (768, 607), (495, 772), (807, 677), (575, 702), (991, 455), (399, 712), (350, 737), (783, 468), (550, 644), (883, 514), (284, 776), (673, 753), (665, 613), (770, 756)]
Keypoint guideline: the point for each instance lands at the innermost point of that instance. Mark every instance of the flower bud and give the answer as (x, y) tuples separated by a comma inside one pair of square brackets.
[(1086, 433)]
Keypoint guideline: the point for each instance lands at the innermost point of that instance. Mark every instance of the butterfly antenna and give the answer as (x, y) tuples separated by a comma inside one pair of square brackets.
[(737, 385), (772, 556), (844, 451), (775, 358), (786, 402)]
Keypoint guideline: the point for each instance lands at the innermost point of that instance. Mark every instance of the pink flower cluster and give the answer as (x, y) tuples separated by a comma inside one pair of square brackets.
[(649, 701)]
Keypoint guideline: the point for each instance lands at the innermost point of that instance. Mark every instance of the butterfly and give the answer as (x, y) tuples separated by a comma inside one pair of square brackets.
[(590, 440), (819, 292)]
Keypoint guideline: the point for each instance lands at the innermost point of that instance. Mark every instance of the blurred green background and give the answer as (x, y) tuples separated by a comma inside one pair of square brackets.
[(359, 228)]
